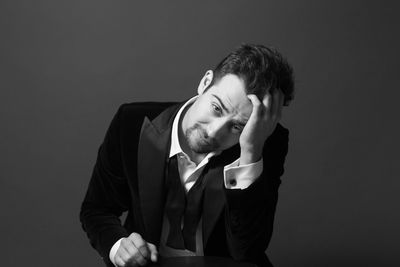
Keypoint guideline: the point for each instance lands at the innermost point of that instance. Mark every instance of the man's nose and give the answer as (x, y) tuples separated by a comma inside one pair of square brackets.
[(217, 129)]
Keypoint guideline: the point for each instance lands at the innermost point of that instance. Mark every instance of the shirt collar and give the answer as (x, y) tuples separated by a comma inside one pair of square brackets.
[(175, 146)]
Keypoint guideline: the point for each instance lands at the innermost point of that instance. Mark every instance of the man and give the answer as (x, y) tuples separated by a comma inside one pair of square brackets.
[(199, 177)]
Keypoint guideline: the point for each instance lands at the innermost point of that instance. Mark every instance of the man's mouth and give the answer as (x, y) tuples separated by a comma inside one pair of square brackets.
[(206, 142)]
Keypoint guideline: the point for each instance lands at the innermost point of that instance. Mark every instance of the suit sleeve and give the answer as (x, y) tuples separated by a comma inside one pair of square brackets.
[(250, 212), (107, 196)]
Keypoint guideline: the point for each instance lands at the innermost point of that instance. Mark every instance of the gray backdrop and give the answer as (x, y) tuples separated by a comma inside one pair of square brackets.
[(66, 66)]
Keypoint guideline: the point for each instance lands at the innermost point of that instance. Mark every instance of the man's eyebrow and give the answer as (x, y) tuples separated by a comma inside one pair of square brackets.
[(241, 123), (221, 103)]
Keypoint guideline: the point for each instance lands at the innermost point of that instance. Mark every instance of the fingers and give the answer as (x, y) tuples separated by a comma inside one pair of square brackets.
[(270, 108), (135, 251), (267, 102), (130, 254), (140, 244), (257, 108), (153, 252), (271, 105), (119, 261)]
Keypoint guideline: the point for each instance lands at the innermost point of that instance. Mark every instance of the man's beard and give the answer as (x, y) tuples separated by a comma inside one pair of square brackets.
[(199, 141)]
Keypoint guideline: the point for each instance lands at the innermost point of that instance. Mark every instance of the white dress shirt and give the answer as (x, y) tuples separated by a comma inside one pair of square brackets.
[(243, 175)]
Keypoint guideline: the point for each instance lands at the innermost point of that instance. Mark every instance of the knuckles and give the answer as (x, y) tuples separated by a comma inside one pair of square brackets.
[(135, 236), (125, 242), (133, 251), (133, 257)]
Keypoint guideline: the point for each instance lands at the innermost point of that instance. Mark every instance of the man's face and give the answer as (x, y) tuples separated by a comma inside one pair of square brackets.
[(216, 119)]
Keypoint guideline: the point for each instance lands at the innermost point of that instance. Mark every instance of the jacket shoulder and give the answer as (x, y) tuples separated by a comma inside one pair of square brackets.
[(136, 110)]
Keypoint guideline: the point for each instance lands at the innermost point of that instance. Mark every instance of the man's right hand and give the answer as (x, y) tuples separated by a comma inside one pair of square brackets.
[(135, 251)]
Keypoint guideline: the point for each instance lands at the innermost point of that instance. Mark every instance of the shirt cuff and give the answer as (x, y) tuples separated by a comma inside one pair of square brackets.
[(241, 177), (113, 251)]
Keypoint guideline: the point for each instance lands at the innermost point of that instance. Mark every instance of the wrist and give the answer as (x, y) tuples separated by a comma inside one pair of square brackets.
[(249, 156)]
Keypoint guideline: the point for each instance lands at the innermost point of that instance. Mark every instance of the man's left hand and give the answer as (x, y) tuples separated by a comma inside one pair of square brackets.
[(262, 122)]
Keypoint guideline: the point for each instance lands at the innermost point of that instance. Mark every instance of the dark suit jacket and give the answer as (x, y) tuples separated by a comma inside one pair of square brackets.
[(129, 176)]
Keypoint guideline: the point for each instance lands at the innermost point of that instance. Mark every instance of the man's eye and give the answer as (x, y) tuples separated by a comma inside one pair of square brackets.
[(216, 108), (237, 128)]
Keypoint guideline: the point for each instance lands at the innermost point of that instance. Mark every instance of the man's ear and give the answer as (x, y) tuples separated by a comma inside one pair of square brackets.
[(205, 82)]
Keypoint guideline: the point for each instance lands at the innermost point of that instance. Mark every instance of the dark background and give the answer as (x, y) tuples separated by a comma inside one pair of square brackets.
[(66, 66)]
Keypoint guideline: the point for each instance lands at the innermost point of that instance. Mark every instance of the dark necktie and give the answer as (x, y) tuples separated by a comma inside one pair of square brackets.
[(183, 208)]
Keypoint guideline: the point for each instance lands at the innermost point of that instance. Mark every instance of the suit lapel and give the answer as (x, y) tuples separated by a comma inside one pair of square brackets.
[(152, 155)]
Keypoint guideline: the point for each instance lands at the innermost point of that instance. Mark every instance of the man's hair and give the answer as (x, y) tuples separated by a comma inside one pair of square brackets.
[(262, 69)]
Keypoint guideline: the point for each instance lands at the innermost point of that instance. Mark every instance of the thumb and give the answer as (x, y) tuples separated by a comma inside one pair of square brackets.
[(153, 252)]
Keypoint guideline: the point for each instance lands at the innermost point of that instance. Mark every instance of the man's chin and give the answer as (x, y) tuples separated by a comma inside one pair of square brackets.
[(201, 149), (199, 145)]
